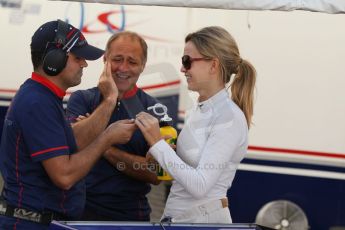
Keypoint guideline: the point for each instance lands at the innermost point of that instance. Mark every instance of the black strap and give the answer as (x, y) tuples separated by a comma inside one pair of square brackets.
[(166, 219), (25, 214), (61, 33)]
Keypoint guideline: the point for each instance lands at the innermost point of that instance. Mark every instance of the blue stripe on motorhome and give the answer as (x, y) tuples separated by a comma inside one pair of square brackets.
[(294, 165), (251, 190)]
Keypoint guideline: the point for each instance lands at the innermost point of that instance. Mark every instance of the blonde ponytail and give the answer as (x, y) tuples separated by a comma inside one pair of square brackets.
[(242, 89)]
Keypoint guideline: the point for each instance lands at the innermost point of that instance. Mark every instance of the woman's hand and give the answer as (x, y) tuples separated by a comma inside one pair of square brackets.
[(149, 126), (167, 138)]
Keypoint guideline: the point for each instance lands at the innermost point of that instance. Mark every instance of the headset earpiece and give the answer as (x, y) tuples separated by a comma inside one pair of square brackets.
[(55, 59)]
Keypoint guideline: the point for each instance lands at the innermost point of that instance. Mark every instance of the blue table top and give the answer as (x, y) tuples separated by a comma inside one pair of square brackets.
[(95, 225)]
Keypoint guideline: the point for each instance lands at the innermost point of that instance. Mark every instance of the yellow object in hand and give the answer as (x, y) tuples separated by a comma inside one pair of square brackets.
[(169, 131), (166, 130)]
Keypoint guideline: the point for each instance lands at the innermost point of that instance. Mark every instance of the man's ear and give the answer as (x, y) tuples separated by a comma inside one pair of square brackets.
[(142, 68), (104, 59)]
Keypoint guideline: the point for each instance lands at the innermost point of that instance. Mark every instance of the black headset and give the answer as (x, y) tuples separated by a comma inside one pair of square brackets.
[(55, 58)]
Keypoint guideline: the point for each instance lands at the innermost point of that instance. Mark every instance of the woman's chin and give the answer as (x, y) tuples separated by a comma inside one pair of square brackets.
[(191, 87)]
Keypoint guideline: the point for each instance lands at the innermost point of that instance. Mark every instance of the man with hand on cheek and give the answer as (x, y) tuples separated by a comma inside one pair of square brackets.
[(118, 184)]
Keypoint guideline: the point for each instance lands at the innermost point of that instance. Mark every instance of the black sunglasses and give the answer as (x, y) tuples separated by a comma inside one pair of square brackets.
[(187, 61)]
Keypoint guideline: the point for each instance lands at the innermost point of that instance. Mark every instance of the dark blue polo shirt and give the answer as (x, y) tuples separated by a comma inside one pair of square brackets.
[(110, 193), (36, 129)]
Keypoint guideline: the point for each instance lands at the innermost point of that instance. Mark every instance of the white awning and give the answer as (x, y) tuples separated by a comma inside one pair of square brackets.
[(326, 6)]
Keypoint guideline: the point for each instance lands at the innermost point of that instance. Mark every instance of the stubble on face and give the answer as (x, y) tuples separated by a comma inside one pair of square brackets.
[(125, 55)]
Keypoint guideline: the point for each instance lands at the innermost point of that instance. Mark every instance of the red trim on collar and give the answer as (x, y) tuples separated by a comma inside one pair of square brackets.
[(50, 85), (131, 92)]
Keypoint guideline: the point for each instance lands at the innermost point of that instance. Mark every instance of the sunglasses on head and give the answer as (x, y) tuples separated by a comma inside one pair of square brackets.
[(187, 61)]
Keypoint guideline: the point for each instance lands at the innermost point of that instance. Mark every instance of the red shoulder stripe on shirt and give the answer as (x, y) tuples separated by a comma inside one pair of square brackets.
[(48, 150)]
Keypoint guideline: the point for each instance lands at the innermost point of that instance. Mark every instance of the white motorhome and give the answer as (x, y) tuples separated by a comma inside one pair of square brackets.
[(295, 165)]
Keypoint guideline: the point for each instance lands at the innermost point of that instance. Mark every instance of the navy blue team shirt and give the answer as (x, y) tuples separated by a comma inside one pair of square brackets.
[(36, 129), (110, 194)]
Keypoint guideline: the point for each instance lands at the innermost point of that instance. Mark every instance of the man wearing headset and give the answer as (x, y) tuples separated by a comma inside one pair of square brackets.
[(40, 163)]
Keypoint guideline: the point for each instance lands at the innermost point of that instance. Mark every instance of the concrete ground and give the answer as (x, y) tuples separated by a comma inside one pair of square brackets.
[(157, 198)]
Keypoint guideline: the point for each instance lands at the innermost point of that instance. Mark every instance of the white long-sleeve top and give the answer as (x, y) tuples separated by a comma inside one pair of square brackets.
[(210, 147)]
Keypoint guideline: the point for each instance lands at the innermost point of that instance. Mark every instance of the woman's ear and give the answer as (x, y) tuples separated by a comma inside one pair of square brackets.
[(214, 66)]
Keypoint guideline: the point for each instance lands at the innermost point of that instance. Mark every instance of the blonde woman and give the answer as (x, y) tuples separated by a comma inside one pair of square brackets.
[(214, 139)]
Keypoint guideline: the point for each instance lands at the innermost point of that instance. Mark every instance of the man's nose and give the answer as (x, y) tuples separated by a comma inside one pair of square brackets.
[(124, 66), (83, 63)]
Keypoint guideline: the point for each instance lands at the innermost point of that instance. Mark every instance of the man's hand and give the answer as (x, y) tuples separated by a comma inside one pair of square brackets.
[(106, 84), (120, 132), (88, 127), (82, 117)]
